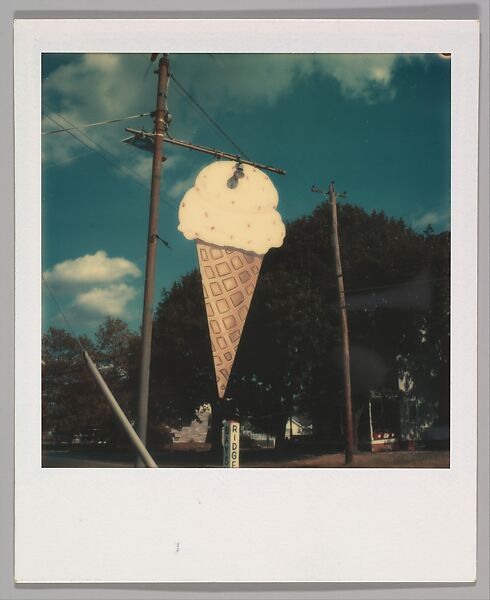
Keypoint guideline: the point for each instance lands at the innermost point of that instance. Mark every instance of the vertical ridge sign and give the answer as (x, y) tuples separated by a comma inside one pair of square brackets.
[(231, 444)]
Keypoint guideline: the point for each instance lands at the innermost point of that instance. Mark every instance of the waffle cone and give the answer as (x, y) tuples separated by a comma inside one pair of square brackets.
[(229, 277)]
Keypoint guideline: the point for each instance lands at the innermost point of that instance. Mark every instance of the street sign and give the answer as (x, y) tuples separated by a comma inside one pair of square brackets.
[(231, 444)]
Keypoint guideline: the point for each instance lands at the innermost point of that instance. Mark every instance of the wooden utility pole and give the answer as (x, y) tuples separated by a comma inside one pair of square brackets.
[(157, 139), (349, 432), (147, 323)]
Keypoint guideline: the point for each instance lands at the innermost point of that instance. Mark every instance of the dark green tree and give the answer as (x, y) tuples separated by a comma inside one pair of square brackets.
[(182, 372), (68, 393), (288, 360), (71, 401), (116, 352)]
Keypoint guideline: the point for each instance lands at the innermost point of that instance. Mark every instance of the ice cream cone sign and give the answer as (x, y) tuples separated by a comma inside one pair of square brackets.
[(231, 214)]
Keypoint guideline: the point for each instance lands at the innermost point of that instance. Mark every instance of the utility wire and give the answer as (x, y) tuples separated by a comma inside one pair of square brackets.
[(274, 414), (98, 149), (77, 128), (392, 285), (429, 263), (106, 154), (100, 359), (426, 263), (129, 353), (196, 104), (62, 313), (145, 58), (66, 161), (208, 116)]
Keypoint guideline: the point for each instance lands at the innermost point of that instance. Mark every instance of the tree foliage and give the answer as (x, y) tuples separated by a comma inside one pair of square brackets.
[(72, 402), (289, 360)]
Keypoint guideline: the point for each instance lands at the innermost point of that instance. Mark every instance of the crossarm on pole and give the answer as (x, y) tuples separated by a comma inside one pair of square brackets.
[(205, 150)]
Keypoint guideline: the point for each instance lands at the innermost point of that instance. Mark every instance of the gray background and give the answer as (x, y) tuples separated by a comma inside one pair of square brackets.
[(385, 9)]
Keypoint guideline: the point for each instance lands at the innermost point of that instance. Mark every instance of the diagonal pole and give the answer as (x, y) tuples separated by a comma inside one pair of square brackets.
[(140, 448), (147, 323)]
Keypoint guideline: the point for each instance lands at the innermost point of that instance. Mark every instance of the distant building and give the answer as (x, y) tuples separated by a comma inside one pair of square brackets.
[(257, 438), (402, 420), (195, 432), (297, 426), (418, 418)]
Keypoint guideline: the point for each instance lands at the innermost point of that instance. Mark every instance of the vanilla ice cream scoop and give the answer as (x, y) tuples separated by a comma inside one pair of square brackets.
[(231, 213), (242, 217)]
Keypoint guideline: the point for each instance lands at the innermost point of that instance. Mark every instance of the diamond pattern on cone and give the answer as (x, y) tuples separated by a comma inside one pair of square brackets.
[(229, 277)]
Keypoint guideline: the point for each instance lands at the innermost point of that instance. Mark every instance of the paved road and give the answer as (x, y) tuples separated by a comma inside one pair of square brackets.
[(69, 459), (179, 459), (65, 459)]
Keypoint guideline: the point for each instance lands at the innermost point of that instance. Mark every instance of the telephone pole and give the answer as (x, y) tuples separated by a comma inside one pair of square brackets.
[(154, 141), (147, 323), (349, 434)]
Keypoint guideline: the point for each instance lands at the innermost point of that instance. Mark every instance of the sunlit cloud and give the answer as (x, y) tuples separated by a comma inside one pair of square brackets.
[(111, 300), (91, 269), (93, 287), (95, 87), (436, 219)]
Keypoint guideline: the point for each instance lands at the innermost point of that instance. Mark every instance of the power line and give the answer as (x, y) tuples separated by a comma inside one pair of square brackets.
[(102, 152), (208, 116), (145, 58), (100, 358), (66, 161), (106, 154), (110, 121), (274, 414), (62, 313), (197, 106), (392, 285), (426, 263), (129, 353)]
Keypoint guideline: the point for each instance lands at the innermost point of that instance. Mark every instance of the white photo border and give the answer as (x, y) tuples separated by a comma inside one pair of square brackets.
[(352, 525)]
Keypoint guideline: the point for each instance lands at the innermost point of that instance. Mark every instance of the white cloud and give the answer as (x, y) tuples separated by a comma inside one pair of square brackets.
[(96, 87), (102, 301), (142, 165), (104, 86), (58, 148), (102, 81), (91, 269), (92, 88), (180, 187), (94, 283), (362, 74), (437, 219), (250, 79), (173, 161)]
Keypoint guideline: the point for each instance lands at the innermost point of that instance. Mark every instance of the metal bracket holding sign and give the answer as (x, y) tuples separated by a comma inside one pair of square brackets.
[(231, 444)]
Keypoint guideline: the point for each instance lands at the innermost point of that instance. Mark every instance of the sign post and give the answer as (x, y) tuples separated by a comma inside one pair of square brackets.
[(231, 444)]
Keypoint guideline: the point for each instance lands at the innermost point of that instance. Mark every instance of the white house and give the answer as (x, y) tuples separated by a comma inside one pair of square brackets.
[(298, 425)]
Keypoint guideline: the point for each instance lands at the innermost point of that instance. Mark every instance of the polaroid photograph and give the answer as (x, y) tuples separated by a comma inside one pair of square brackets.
[(246, 298)]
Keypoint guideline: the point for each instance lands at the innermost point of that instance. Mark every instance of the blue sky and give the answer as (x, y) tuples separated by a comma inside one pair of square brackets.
[(379, 125)]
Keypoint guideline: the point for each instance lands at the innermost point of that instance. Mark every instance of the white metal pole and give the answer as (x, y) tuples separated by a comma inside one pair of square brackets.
[(371, 425), (128, 428)]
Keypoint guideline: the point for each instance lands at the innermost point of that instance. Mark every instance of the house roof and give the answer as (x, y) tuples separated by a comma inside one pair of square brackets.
[(302, 420)]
